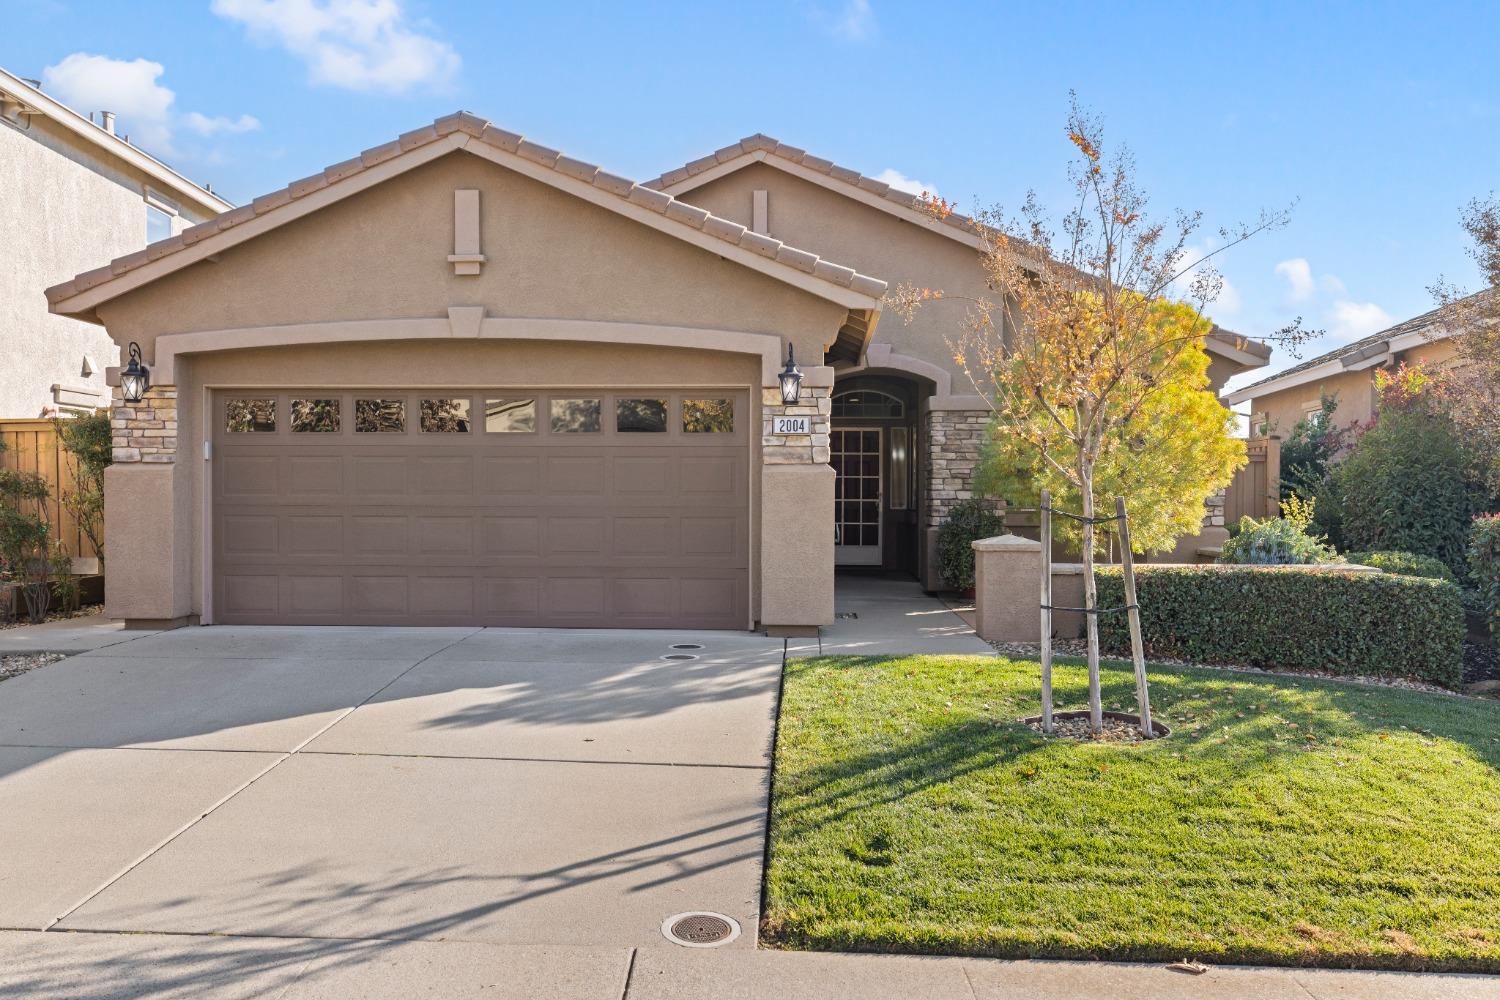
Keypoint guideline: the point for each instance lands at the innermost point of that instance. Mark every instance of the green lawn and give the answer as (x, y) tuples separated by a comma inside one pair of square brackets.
[(1285, 821)]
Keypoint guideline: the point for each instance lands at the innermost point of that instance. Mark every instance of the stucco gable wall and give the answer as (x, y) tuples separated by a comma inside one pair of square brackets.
[(869, 240), (383, 253)]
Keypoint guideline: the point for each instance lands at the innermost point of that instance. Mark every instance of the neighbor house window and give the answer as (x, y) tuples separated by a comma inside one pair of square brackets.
[(648, 415), (445, 416), (379, 416), (708, 416), (510, 416), (575, 416), (250, 416), (315, 416)]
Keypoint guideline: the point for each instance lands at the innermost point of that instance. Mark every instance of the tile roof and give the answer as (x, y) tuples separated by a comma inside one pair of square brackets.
[(483, 131), (761, 143), (1429, 323)]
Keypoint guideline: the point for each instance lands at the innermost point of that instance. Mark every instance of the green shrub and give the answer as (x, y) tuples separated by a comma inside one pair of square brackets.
[(1341, 622), (1484, 565), (1280, 541), (969, 521), (1402, 563), (1406, 487)]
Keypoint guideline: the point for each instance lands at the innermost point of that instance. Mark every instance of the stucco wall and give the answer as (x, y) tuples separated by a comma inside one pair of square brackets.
[(871, 241), (1355, 391), (64, 208), (383, 254)]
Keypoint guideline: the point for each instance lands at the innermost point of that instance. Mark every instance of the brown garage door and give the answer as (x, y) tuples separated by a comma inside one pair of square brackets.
[(586, 508)]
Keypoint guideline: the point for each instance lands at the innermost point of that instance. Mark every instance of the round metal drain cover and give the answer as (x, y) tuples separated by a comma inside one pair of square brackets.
[(679, 656), (701, 929), (686, 645)]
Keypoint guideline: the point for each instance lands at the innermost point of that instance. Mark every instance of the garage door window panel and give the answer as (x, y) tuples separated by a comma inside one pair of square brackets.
[(637, 416), (250, 416), (445, 416), (576, 416), (380, 416), (316, 416), (510, 416), (708, 416)]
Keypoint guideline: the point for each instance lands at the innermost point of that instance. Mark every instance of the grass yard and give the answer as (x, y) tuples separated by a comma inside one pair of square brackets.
[(1285, 821)]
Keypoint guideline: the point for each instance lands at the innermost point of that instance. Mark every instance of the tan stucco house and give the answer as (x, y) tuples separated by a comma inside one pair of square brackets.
[(464, 379), (72, 193), (1277, 403)]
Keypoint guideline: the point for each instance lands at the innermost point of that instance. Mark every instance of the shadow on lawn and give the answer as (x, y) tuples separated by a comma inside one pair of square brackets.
[(1230, 729)]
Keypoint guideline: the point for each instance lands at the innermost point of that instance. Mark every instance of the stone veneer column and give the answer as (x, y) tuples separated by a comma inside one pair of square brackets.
[(796, 512), (953, 441), (145, 537)]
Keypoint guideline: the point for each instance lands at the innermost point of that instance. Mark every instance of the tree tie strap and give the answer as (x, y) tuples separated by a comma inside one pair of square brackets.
[(1092, 611)]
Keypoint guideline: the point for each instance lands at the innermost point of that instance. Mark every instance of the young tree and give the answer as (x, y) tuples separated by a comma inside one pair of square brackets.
[(1473, 392), (1082, 341), (87, 439)]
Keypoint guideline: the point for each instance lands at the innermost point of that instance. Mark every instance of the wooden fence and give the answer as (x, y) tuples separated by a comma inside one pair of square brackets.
[(33, 446), (1256, 489)]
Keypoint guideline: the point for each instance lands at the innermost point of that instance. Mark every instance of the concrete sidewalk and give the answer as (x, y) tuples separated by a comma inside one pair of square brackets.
[(68, 635), (158, 967), (890, 616)]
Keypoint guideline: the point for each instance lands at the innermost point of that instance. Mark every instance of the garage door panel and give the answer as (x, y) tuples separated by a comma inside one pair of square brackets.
[(526, 528), (310, 477), (445, 476), (444, 535), (318, 594), (380, 476), (249, 476), (379, 595), (510, 537)]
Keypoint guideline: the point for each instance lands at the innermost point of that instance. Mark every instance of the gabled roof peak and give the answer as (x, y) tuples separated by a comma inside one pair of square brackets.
[(459, 130)]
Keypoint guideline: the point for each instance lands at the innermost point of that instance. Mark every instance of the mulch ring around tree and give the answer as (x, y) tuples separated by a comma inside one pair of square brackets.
[(1119, 727)]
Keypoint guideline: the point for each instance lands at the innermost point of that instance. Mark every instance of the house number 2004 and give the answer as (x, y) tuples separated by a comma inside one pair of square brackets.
[(791, 425)]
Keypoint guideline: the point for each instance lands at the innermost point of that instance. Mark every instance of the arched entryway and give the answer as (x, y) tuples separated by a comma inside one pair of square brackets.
[(875, 449)]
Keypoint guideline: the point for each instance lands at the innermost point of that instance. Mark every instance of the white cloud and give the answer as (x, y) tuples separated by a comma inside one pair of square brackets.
[(1353, 320), (127, 87), (901, 182), (204, 125), (855, 21), (362, 45), (131, 88), (1298, 274)]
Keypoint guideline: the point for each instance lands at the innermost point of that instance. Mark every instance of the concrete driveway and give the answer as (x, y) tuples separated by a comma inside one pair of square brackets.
[(538, 788)]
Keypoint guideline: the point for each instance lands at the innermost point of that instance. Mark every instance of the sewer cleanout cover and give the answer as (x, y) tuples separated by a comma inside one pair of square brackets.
[(700, 929)]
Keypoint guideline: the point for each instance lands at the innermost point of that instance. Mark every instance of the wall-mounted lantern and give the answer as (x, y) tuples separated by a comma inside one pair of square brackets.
[(791, 380), (136, 378)]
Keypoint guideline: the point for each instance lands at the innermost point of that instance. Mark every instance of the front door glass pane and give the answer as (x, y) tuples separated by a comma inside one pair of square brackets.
[(856, 460)]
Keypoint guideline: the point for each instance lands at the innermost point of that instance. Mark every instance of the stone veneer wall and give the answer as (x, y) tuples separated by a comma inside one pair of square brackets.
[(954, 438), (1213, 511), (776, 449), (145, 431)]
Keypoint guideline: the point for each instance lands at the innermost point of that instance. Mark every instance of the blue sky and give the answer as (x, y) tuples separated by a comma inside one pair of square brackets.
[(1380, 120)]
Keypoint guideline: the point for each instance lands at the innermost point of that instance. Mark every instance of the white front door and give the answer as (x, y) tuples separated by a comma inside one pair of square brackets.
[(857, 457)]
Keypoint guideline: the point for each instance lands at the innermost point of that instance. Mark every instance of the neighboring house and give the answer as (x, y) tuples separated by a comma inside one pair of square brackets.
[(1277, 403), (464, 379), (72, 195)]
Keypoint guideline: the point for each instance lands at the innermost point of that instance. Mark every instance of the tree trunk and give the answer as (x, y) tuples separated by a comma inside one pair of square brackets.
[(1090, 591)]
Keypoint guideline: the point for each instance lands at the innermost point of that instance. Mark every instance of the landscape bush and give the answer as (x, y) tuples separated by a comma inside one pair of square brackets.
[(1280, 541), (1402, 563), (1484, 566), (1330, 620), (969, 521)]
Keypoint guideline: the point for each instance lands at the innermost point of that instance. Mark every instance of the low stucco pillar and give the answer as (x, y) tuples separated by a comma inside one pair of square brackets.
[(796, 530), (1007, 571), (146, 556)]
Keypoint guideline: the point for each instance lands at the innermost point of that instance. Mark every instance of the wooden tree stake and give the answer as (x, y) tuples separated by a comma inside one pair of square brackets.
[(1046, 590), (1133, 612)]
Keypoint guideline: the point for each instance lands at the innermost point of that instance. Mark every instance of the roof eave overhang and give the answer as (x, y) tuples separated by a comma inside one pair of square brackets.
[(829, 182), (41, 103), (206, 241), (1331, 367)]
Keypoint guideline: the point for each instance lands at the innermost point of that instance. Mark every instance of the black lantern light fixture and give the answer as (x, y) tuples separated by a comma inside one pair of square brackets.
[(791, 380), (136, 378)]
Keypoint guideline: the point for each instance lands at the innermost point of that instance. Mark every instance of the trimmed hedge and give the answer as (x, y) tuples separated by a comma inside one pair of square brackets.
[(1402, 563), (1267, 616)]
